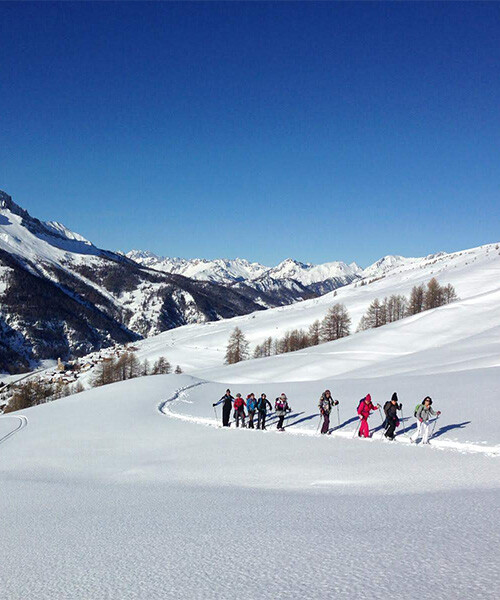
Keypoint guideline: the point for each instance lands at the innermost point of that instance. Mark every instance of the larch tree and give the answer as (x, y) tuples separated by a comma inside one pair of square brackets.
[(237, 347), (336, 324)]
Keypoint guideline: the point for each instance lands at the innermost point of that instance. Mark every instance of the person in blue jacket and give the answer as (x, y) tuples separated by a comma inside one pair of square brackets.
[(251, 408)]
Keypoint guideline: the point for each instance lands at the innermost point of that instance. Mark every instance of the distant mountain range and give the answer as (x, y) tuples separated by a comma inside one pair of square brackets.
[(61, 296), (288, 282)]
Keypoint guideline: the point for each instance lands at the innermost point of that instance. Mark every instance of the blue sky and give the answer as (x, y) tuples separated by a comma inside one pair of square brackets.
[(321, 131)]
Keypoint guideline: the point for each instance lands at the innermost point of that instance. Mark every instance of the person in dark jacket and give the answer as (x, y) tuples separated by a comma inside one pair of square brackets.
[(326, 403), (227, 402), (391, 416), (262, 405)]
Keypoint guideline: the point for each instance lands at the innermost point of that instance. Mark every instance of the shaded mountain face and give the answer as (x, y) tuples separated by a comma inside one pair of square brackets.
[(61, 296)]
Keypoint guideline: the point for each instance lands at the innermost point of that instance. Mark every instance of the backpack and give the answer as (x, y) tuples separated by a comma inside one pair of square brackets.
[(360, 403), (416, 409)]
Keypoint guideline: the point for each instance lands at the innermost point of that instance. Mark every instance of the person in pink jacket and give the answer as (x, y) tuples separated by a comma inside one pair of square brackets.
[(365, 407)]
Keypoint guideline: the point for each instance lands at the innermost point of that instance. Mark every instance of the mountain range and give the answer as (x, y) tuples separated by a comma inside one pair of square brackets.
[(62, 296)]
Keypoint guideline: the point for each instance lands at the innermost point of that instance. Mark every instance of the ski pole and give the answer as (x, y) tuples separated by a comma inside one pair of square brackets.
[(338, 415), (320, 421), (434, 427), (216, 417), (403, 421), (357, 429)]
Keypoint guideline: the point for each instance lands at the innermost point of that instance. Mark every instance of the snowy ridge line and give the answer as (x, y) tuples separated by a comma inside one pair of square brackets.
[(23, 422), (464, 447)]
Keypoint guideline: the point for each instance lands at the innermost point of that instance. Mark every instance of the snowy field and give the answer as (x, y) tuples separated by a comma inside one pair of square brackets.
[(107, 497), (134, 491)]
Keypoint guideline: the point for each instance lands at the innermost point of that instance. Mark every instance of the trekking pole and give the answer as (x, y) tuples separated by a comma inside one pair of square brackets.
[(338, 415), (433, 427), (320, 421), (357, 429), (216, 417), (403, 421)]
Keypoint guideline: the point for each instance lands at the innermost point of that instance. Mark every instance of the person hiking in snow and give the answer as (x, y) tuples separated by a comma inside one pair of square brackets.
[(227, 401), (281, 408), (326, 403), (239, 410), (262, 404), (365, 407), (251, 408), (391, 416), (423, 414)]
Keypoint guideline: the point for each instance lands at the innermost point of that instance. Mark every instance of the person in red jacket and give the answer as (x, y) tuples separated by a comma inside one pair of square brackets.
[(239, 410), (364, 409)]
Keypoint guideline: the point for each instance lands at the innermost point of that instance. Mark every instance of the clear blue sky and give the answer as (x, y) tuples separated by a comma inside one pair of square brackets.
[(320, 131)]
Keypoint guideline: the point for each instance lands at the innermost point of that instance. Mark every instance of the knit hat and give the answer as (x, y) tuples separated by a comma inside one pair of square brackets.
[(368, 398)]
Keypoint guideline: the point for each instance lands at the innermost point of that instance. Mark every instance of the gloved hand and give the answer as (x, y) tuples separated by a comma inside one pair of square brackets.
[(438, 413), (214, 405), (421, 420), (336, 402)]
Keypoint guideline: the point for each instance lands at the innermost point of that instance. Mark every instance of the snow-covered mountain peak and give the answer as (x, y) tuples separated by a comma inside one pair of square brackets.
[(62, 230)]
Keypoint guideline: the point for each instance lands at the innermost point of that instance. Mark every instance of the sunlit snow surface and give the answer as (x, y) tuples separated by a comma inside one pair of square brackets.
[(104, 496), (133, 490)]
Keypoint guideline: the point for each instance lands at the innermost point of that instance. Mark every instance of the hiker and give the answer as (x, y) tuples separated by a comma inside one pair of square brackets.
[(391, 416), (262, 404), (423, 413), (228, 400), (239, 410), (251, 408), (365, 407), (281, 407), (326, 403)]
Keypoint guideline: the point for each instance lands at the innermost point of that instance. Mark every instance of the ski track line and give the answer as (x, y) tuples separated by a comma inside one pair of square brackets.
[(23, 422), (464, 447)]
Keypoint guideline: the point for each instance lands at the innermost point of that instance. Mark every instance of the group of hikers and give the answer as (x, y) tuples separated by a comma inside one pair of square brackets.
[(261, 407)]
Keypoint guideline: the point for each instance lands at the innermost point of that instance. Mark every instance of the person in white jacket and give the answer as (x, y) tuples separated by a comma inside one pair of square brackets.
[(424, 413)]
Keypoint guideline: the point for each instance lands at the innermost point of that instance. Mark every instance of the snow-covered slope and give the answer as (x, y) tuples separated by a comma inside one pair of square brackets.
[(475, 273), (140, 472), (125, 501)]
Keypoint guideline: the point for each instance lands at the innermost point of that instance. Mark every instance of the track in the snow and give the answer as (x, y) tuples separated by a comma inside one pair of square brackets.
[(466, 447), (23, 422)]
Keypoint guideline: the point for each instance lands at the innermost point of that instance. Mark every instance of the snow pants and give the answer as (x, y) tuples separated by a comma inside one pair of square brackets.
[(423, 430), (261, 420), (364, 430), (389, 432), (239, 414), (326, 423), (226, 415), (281, 419), (251, 414)]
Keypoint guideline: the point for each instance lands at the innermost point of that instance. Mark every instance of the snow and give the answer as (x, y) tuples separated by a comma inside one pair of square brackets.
[(217, 270), (133, 491), (475, 273), (122, 501)]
